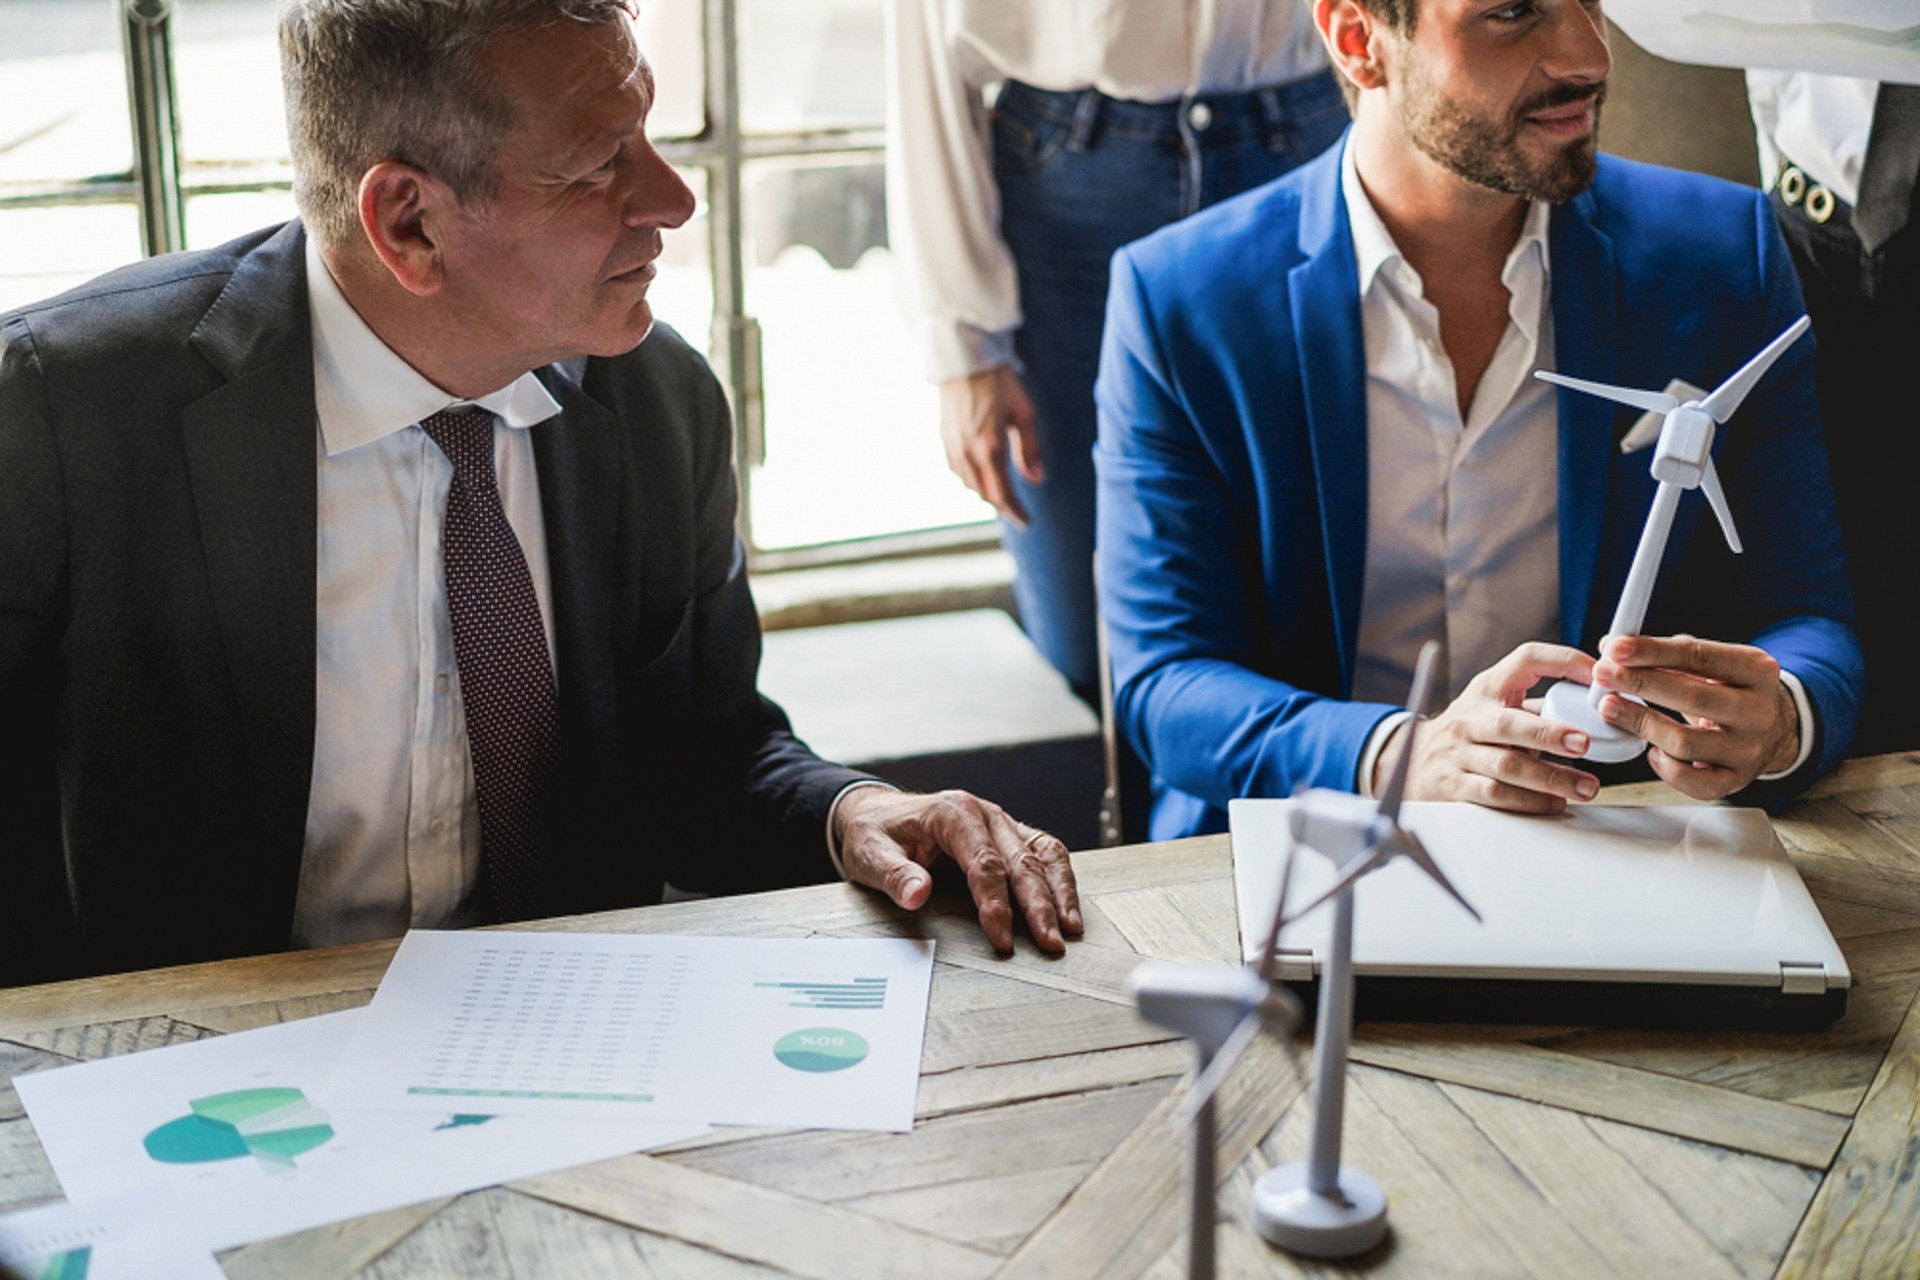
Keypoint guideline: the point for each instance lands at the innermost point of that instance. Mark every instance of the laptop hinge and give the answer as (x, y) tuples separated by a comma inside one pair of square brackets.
[(1291, 965), (1798, 979)]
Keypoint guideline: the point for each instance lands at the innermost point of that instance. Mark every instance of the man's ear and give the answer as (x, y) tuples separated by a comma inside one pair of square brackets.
[(1351, 31), (404, 212)]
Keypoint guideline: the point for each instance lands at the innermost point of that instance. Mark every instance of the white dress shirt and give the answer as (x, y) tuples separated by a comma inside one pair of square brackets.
[(1463, 535), (1820, 123), (1463, 517), (954, 271), (393, 824)]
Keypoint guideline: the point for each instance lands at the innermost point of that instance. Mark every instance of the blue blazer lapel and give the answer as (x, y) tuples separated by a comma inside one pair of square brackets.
[(1323, 294), (250, 461), (1585, 346)]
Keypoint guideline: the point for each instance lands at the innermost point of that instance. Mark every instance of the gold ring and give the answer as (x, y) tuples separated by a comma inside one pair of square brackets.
[(1028, 842)]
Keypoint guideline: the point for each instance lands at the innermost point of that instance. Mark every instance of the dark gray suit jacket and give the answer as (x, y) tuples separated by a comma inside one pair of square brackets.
[(157, 583)]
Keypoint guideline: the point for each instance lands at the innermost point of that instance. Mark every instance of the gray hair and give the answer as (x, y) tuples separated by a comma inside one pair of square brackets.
[(368, 81)]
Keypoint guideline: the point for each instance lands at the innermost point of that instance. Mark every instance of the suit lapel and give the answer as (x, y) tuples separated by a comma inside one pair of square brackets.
[(250, 462), (578, 458), (1584, 333), (1322, 292)]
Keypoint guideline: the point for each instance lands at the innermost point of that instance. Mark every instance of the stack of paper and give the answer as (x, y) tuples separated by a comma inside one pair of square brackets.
[(487, 1057)]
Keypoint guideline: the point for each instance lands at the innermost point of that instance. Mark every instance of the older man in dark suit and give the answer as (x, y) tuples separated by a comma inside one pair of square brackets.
[(379, 570)]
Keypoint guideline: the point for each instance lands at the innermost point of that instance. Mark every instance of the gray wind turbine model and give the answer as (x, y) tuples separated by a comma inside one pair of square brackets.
[(1316, 1207), (1683, 459)]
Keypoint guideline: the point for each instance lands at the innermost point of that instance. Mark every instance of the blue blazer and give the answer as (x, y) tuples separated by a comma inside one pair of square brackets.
[(1232, 464)]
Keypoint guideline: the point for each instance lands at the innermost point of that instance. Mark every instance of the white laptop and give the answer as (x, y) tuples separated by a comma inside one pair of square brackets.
[(1666, 916)]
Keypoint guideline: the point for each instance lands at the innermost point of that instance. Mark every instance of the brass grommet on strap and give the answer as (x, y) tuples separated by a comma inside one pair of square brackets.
[(1793, 185), (1820, 204)]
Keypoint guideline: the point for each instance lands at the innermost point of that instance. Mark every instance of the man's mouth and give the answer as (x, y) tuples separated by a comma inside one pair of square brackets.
[(1567, 114)]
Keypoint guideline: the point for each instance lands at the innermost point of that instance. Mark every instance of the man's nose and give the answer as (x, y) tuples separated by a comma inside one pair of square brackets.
[(657, 196), (1579, 51)]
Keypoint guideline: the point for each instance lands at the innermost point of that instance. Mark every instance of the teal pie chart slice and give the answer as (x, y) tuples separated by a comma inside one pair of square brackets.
[(819, 1049), (272, 1125)]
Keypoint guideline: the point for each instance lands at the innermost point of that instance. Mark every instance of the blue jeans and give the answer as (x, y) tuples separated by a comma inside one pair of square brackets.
[(1081, 174)]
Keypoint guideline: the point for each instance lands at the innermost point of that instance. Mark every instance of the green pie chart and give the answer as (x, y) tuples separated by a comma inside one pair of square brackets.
[(272, 1125), (821, 1049), (71, 1265)]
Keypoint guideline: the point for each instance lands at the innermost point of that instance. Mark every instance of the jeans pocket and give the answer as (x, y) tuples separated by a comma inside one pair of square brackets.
[(1025, 144)]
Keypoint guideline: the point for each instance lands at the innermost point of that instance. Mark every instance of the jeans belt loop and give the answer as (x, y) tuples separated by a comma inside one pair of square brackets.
[(1086, 121), (1276, 125)]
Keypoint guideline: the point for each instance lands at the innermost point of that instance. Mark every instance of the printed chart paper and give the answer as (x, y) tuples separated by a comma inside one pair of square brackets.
[(242, 1130), (815, 1033), (132, 1237)]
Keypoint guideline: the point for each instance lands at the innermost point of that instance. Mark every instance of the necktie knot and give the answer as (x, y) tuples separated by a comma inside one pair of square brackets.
[(466, 437)]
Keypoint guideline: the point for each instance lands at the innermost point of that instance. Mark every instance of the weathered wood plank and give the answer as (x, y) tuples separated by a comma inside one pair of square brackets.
[(544, 1239), (18, 1060), (227, 1019), (1680, 1107), (971, 1088), (1057, 1025), (461, 1240), (25, 1176), (111, 1039), (758, 1224), (1133, 1205), (251, 980), (1196, 920), (1901, 769), (948, 1149), (1143, 866), (1865, 1220), (324, 1253), (993, 1213), (1086, 969)]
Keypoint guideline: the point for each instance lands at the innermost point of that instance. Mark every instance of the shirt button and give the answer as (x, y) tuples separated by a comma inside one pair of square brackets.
[(1199, 115)]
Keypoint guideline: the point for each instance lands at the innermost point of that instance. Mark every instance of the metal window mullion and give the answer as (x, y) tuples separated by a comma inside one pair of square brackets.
[(735, 341), (146, 29)]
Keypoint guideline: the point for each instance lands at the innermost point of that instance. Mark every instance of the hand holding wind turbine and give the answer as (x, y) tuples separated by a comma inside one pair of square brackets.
[(1683, 459)]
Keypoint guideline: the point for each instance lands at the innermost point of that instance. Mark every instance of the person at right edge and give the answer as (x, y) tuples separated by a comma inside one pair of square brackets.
[(1321, 444), (1840, 155)]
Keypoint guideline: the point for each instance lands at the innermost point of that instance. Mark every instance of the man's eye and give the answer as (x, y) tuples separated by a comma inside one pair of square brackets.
[(1512, 12)]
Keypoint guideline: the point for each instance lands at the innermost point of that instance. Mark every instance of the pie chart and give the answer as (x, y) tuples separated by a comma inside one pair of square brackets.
[(272, 1125), (821, 1049)]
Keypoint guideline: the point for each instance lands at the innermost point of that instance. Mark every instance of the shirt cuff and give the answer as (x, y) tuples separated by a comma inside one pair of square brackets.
[(959, 349), (833, 845), (1804, 706), (1370, 754)]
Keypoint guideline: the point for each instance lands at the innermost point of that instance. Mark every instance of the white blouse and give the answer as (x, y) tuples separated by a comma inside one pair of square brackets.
[(955, 273)]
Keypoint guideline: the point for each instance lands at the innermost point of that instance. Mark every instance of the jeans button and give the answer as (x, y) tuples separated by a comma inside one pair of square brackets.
[(1199, 115)]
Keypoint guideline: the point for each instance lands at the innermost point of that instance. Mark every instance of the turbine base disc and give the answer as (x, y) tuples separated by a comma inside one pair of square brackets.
[(1570, 702), (1299, 1220)]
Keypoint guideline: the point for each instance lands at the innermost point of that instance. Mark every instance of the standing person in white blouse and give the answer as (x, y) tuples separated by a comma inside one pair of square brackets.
[(1840, 155), (1113, 118)]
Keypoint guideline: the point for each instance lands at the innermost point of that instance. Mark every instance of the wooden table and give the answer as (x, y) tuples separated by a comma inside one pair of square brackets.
[(1043, 1145)]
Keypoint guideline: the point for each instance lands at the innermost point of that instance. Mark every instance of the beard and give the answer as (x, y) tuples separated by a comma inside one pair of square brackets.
[(1489, 152)]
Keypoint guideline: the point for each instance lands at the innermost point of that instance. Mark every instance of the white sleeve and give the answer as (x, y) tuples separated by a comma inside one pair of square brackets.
[(954, 273)]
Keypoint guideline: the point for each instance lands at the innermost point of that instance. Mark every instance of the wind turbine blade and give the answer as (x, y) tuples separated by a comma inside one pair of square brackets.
[(1717, 499), (1209, 1081), (1348, 874), (1727, 396), (1416, 703), (1405, 842), (1657, 401), (1264, 965)]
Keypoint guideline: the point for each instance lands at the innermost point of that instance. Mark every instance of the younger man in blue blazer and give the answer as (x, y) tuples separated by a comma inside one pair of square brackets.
[(1321, 443)]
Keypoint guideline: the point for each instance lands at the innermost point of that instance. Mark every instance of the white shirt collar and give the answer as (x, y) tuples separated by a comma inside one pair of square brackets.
[(364, 391), (1525, 273)]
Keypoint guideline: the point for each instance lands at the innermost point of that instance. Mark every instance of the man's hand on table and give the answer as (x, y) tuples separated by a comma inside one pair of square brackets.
[(1486, 746), (1740, 720), (889, 839)]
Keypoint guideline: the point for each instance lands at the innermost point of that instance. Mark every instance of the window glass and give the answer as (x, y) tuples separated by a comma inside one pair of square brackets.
[(46, 250), (853, 447), (216, 219), (810, 64), (226, 70), (682, 294), (63, 92), (669, 35)]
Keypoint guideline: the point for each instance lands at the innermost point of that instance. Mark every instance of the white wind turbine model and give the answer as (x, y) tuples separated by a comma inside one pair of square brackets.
[(1682, 460), (1316, 1207)]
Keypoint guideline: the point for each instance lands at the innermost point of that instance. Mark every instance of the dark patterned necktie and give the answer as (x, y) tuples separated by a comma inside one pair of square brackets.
[(506, 680), (1893, 161)]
